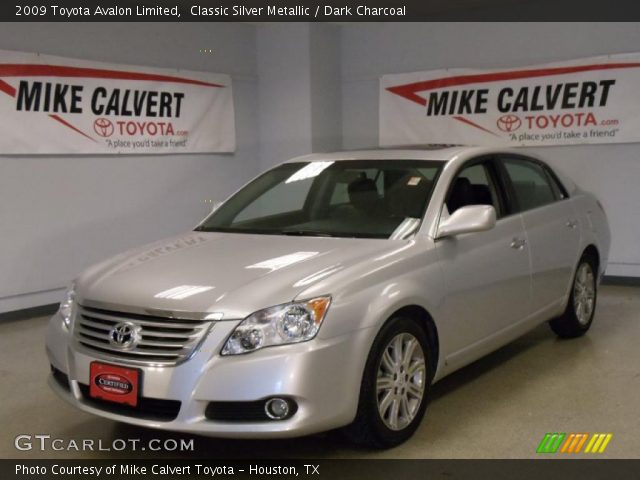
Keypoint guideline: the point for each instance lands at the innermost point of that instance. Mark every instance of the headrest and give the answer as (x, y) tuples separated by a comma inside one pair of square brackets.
[(362, 185)]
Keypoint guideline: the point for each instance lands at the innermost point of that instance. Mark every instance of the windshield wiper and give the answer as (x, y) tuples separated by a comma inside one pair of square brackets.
[(306, 233)]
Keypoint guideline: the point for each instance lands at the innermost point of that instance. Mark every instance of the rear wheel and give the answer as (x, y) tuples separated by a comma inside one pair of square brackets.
[(395, 384), (578, 316)]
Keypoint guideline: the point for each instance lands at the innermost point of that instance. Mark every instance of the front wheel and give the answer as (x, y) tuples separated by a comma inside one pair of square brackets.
[(578, 316), (395, 384)]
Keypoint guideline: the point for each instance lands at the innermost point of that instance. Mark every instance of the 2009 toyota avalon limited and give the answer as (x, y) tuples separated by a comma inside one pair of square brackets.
[(332, 291)]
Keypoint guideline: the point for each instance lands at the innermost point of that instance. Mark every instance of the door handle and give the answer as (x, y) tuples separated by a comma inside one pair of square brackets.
[(571, 223), (518, 243)]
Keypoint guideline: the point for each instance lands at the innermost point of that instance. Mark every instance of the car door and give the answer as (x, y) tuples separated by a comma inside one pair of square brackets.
[(487, 273), (551, 227)]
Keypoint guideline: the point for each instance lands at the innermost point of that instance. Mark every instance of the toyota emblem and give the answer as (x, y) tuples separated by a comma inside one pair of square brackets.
[(124, 335), (508, 123), (103, 127)]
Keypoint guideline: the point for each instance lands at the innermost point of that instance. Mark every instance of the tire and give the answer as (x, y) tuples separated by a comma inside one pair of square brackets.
[(389, 411), (578, 316)]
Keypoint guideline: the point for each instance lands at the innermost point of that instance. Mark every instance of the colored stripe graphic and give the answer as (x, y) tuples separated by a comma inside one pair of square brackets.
[(598, 442), (569, 441), (550, 443), (573, 443), (581, 442)]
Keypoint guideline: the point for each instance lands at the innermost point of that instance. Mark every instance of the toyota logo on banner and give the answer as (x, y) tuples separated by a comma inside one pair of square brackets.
[(509, 123), (124, 335), (103, 127)]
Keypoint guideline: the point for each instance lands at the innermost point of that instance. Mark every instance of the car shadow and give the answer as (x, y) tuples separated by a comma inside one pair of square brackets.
[(490, 362)]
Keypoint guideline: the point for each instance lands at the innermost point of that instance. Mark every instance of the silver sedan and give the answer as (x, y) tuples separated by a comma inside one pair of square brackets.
[(332, 291)]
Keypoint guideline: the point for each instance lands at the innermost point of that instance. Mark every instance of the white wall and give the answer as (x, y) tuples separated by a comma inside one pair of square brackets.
[(326, 84), (611, 171), (284, 92), (298, 88), (58, 214)]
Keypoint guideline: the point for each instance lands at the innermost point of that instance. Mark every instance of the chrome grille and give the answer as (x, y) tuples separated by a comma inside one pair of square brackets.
[(161, 340)]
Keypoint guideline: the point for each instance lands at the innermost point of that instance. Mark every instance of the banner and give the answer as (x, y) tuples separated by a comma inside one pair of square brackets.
[(592, 100), (53, 105)]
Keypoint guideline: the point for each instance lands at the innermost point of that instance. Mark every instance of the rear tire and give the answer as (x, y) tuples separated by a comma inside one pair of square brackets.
[(395, 386), (578, 316)]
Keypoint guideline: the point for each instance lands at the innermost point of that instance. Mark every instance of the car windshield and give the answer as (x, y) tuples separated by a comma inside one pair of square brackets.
[(347, 198)]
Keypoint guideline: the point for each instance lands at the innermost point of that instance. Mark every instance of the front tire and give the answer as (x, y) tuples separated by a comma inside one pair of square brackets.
[(578, 316), (395, 386)]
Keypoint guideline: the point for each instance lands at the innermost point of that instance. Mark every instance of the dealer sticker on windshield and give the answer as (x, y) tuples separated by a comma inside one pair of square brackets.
[(114, 383)]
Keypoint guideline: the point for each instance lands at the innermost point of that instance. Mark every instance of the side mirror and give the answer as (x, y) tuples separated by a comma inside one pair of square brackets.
[(469, 219)]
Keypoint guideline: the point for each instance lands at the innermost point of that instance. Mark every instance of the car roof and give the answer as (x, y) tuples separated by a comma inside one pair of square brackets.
[(439, 153)]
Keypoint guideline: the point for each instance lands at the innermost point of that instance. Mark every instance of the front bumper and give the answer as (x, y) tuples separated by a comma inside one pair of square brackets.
[(322, 376)]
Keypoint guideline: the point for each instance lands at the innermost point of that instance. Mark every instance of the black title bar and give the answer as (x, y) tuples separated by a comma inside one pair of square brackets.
[(317, 10), (160, 469)]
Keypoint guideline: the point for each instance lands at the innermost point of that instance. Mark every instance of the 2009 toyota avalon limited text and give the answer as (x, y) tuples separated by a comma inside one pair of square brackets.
[(332, 291)]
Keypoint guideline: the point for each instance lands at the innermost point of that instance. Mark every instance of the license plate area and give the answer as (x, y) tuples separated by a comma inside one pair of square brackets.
[(114, 383)]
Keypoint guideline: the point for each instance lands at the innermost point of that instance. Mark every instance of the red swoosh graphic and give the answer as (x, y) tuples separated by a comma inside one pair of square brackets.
[(473, 124), (27, 70), (9, 90), (410, 90), (57, 118), (6, 88)]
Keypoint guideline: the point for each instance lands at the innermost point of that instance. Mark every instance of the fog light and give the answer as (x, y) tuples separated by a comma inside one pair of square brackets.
[(277, 408)]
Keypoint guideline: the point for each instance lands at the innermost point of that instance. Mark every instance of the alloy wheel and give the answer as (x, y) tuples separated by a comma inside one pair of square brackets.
[(584, 293), (400, 382)]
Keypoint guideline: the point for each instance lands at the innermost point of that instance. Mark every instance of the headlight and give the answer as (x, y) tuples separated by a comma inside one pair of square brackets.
[(67, 306), (280, 325)]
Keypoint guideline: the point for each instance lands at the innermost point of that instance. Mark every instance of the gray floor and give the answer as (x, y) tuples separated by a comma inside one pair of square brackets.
[(498, 407)]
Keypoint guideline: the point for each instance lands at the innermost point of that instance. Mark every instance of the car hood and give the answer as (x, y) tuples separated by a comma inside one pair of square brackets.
[(235, 274)]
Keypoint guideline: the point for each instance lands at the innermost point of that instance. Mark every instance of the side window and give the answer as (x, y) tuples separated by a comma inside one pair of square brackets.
[(558, 189), (530, 183), (473, 186)]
